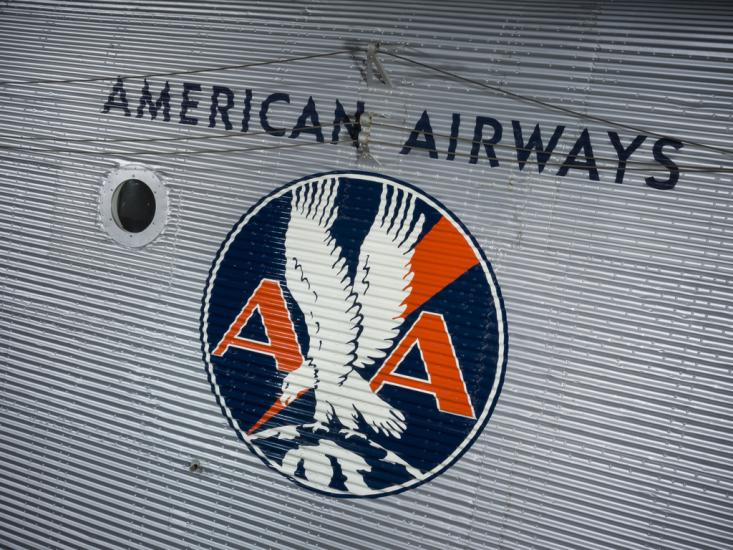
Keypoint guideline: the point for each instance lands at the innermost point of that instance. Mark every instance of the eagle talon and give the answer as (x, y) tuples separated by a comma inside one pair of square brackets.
[(348, 433), (316, 428)]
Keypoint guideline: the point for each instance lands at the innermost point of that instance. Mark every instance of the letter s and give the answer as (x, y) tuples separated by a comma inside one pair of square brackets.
[(664, 160)]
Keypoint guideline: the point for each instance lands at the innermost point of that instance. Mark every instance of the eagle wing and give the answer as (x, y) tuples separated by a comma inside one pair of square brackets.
[(383, 276), (382, 283), (317, 277)]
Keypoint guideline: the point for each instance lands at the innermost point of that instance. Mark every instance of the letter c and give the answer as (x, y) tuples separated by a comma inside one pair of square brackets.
[(272, 98)]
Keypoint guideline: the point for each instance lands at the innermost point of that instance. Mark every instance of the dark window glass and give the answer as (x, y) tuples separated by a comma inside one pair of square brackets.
[(134, 206)]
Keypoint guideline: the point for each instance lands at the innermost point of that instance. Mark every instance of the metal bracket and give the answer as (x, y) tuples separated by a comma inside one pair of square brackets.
[(376, 75), (364, 156)]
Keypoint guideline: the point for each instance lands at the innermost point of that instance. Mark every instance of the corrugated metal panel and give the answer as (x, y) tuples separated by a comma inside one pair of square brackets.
[(613, 429)]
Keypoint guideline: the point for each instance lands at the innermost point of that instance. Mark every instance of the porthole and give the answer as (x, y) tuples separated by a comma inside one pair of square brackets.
[(133, 205)]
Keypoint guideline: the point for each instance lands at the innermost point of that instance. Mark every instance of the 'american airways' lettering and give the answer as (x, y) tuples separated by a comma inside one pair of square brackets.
[(235, 113)]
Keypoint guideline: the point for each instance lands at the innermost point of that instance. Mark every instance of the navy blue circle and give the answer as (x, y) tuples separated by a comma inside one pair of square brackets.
[(245, 383)]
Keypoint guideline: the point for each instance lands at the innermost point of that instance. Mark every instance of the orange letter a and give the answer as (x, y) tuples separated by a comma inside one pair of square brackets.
[(281, 343), (444, 378)]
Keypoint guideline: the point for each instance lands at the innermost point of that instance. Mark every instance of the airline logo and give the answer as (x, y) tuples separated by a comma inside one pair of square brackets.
[(354, 334)]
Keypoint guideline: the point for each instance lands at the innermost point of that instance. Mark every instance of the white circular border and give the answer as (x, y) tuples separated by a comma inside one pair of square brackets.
[(478, 425), (111, 182)]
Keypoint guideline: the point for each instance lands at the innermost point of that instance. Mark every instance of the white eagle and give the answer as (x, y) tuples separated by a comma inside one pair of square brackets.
[(350, 323)]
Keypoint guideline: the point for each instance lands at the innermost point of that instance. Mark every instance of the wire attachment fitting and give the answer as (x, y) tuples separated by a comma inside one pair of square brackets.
[(363, 155), (376, 75)]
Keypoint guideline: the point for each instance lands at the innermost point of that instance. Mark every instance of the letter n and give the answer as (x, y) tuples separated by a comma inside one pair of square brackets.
[(282, 344), (444, 379)]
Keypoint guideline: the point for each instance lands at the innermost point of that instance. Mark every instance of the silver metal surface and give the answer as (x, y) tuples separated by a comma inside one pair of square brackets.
[(614, 426)]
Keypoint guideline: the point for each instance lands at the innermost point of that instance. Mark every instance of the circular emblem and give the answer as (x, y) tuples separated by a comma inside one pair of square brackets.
[(354, 334)]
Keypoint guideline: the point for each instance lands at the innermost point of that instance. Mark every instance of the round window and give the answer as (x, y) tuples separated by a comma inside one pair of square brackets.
[(133, 205)]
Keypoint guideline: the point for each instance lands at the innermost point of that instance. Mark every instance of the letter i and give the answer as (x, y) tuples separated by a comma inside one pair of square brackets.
[(455, 125)]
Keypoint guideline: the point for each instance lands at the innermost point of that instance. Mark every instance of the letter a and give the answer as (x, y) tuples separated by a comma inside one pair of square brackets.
[(281, 343), (444, 378)]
